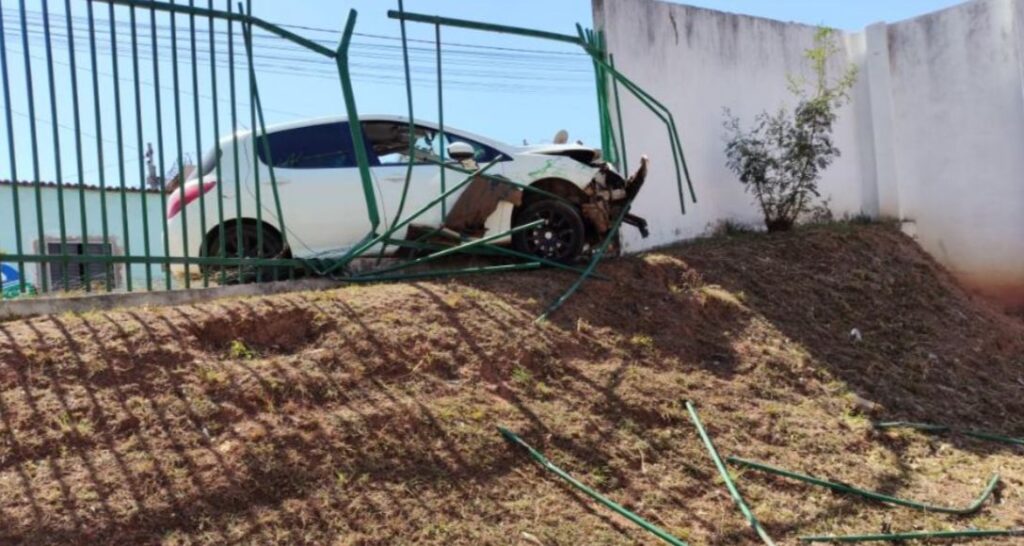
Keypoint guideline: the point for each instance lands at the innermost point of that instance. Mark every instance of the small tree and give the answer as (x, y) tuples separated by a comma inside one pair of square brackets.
[(781, 157)]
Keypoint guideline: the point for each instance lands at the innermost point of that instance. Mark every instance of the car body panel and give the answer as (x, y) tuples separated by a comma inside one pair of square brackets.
[(325, 209)]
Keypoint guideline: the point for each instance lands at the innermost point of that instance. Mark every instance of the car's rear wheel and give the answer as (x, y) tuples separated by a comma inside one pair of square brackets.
[(560, 238), (272, 248)]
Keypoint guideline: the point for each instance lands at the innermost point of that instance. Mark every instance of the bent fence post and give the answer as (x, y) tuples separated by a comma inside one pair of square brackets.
[(456, 249), (543, 461), (443, 273), (843, 488), (724, 472)]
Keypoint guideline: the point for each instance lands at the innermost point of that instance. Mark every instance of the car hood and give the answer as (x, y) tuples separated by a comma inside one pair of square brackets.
[(579, 152)]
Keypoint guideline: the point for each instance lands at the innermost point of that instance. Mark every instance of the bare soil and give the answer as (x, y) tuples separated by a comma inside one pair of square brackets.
[(367, 415)]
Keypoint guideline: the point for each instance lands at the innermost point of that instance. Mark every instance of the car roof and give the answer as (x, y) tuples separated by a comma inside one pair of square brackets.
[(500, 146)]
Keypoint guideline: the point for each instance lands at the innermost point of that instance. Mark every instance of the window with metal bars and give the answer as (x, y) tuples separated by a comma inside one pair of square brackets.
[(79, 272)]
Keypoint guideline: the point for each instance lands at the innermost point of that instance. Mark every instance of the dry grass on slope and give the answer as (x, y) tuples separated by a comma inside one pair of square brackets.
[(367, 415)]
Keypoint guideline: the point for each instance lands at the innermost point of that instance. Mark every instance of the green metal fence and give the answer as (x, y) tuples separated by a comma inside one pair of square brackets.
[(108, 254)]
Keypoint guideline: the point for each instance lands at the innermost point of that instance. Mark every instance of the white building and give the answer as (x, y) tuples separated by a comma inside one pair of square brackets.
[(119, 242)]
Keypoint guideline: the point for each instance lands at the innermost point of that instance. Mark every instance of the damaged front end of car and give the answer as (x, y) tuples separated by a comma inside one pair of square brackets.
[(608, 193)]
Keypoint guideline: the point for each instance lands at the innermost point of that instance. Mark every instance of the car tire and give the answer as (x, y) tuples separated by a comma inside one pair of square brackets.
[(273, 248), (561, 238)]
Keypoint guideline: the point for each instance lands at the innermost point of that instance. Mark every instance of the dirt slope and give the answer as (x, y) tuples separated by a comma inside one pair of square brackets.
[(366, 415)]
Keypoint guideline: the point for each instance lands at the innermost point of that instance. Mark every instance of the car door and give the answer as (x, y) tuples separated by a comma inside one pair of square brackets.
[(319, 186), (389, 149)]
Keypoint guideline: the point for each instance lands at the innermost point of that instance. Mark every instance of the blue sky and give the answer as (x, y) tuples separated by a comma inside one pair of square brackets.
[(506, 87)]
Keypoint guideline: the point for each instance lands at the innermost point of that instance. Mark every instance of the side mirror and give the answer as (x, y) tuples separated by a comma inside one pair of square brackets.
[(461, 151)]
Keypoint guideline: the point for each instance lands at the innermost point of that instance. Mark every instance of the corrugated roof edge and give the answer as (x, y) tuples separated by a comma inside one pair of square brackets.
[(90, 187)]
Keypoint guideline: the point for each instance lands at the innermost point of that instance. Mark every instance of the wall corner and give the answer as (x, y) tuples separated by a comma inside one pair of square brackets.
[(879, 81)]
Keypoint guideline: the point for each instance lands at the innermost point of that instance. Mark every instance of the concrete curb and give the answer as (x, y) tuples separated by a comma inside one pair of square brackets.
[(17, 309)]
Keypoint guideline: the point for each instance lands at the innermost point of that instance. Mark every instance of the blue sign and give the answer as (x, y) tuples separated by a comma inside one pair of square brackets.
[(11, 285), (8, 274)]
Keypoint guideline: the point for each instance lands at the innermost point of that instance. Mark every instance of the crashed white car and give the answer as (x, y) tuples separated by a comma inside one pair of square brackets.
[(324, 209)]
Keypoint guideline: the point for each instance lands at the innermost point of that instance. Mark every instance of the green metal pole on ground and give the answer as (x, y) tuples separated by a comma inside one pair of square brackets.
[(537, 456), (842, 488), (931, 428), (924, 535), (724, 473)]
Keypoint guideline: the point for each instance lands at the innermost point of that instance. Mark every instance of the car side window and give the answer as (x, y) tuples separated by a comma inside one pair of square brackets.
[(389, 143), (483, 153), (324, 146)]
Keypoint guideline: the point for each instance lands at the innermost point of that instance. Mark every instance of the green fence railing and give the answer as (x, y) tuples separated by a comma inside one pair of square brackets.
[(221, 218)]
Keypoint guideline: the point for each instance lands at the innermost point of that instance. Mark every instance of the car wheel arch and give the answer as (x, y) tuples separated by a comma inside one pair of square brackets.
[(214, 232), (558, 186)]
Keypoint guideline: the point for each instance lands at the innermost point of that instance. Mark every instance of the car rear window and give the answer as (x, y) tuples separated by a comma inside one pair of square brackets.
[(325, 146)]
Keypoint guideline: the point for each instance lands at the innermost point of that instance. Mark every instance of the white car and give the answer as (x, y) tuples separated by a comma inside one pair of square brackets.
[(324, 209)]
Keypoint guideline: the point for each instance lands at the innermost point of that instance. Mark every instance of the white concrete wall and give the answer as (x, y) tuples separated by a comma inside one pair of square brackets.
[(934, 133), (73, 227), (958, 132)]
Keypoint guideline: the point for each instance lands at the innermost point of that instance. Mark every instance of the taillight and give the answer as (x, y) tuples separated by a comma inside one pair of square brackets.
[(176, 201)]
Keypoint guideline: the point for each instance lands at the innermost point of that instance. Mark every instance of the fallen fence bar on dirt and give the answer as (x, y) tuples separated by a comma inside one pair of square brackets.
[(843, 488), (934, 429), (898, 537), (724, 472), (548, 465)]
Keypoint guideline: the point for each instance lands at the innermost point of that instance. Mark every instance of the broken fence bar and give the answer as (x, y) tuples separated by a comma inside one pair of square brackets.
[(619, 509), (843, 488), (412, 132), (618, 115), (897, 537), (227, 15), (502, 179), (443, 273), (372, 238), (354, 127), (612, 233), (258, 108), (489, 27), (724, 472), (456, 249), (491, 250), (931, 428)]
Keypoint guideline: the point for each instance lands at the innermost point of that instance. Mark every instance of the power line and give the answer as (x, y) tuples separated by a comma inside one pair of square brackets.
[(270, 64), (379, 51), (327, 42)]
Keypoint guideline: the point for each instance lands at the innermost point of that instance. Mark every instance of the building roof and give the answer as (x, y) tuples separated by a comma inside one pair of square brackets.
[(90, 187)]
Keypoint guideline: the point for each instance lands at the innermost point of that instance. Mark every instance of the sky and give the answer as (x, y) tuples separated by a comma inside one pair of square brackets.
[(509, 88)]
